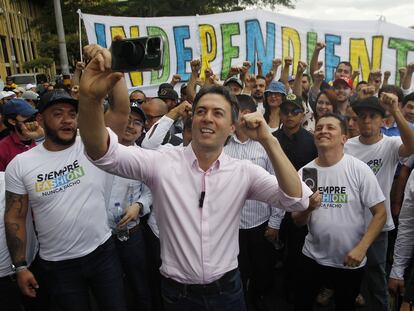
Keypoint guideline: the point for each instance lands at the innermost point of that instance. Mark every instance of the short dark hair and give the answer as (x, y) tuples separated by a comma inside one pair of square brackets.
[(407, 98), (223, 91), (392, 89), (361, 82), (246, 102), (306, 76), (341, 119), (260, 77), (345, 63), (138, 91)]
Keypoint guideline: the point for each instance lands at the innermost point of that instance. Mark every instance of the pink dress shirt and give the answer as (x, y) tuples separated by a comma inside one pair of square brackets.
[(198, 244)]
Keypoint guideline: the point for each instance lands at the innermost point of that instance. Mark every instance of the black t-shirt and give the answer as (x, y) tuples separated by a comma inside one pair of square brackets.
[(300, 149)]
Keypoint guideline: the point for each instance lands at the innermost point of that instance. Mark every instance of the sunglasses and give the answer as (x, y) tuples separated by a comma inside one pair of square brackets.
[(293, 112), (137, 102)]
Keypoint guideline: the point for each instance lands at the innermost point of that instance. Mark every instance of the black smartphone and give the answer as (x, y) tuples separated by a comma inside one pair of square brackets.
[(137, 54), (310, 177)]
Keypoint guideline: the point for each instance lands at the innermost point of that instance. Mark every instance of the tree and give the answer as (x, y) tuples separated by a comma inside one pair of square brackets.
[(145, 8)]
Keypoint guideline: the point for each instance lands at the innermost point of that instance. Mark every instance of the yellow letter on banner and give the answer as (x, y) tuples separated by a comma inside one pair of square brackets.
[(117, 31), (208, 46), (359, 57), (290, 37)]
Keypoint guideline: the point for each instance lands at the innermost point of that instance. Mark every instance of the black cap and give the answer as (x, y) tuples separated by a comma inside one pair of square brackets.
[(56, 97), (294, 100), (168, 94), (164, 86), (137, 108), (371, 102), (234, 79)]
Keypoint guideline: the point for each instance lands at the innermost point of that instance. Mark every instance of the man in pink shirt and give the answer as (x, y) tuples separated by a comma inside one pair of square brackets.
[(198, 191)]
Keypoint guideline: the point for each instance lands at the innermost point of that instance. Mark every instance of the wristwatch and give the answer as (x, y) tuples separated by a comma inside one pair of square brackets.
[(20, 266)]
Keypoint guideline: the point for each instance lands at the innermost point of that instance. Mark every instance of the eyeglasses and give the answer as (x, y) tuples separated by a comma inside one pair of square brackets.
[(135, 122), (294, 112)]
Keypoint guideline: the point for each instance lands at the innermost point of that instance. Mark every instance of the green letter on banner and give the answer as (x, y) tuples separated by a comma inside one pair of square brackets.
[(403, 47), (229, 51), (165, 71)]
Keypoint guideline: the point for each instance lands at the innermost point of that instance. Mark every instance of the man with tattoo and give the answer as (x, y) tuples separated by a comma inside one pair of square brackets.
[(67, 195)]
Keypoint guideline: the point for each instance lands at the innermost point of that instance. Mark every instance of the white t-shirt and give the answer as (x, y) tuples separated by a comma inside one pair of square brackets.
[(31, 241), (383, 158), (67, 194), (349, 189)]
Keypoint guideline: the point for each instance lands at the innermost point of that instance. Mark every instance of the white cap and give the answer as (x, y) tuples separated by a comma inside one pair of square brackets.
[(29, 86), (4, 94), (18, 90)]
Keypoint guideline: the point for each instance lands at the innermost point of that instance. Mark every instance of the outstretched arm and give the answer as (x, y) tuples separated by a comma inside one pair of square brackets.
[(97, 81)]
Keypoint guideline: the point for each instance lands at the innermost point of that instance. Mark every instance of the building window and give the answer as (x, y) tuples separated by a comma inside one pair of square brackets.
[(4, 49)]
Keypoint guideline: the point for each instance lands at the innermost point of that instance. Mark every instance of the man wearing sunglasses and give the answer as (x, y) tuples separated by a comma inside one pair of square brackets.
[(299, 146), (19, 117)]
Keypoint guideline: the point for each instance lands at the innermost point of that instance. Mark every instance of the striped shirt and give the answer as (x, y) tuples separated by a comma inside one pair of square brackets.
[(254, 213)]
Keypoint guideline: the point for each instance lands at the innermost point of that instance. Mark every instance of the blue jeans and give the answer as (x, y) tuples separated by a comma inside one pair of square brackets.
[(184, 299), (69, 281), (374, 282), (133, 256)]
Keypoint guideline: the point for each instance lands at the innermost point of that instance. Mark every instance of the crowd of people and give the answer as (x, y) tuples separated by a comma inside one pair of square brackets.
[(195, 199)]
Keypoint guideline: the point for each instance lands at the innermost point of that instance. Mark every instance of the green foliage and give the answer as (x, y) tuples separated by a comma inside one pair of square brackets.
[(141, 8), (38, 63)]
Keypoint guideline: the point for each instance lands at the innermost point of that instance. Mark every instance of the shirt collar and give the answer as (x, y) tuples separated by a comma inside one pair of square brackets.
[(193, 161), (15, 138), (235, 139)]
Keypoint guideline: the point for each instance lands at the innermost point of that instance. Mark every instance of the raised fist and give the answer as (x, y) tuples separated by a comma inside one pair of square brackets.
[(301, 67), (320, 46), (195, 65), (288, 61)]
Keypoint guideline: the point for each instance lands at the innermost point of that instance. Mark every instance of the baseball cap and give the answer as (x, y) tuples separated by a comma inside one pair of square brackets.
[(371, 102), (18, 90), (164, 86), (345, 80), (18, 106), (294, 100), (135, 106), (55, 97), (30, 86), (235, 80), (168, 94), (5, 94), (276, 87), (30, 95)]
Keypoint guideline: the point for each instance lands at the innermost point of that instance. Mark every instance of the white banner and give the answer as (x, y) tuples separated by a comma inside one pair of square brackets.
[(228, 39)]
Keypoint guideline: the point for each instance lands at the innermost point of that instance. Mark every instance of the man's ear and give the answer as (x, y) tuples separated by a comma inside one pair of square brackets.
[(344, 139), (233, 129), (12, 121)]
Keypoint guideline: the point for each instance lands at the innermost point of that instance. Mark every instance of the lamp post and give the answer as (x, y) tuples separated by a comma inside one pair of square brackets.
[(61, 38)]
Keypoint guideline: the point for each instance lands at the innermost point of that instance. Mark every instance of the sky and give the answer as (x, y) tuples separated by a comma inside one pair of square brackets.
[(398, 12)]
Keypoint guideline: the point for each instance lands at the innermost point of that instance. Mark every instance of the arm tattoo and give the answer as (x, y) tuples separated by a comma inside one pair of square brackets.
[(15, 225)]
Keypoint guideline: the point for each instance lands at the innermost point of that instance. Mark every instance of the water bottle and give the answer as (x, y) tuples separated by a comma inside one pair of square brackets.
[(122, 232)]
